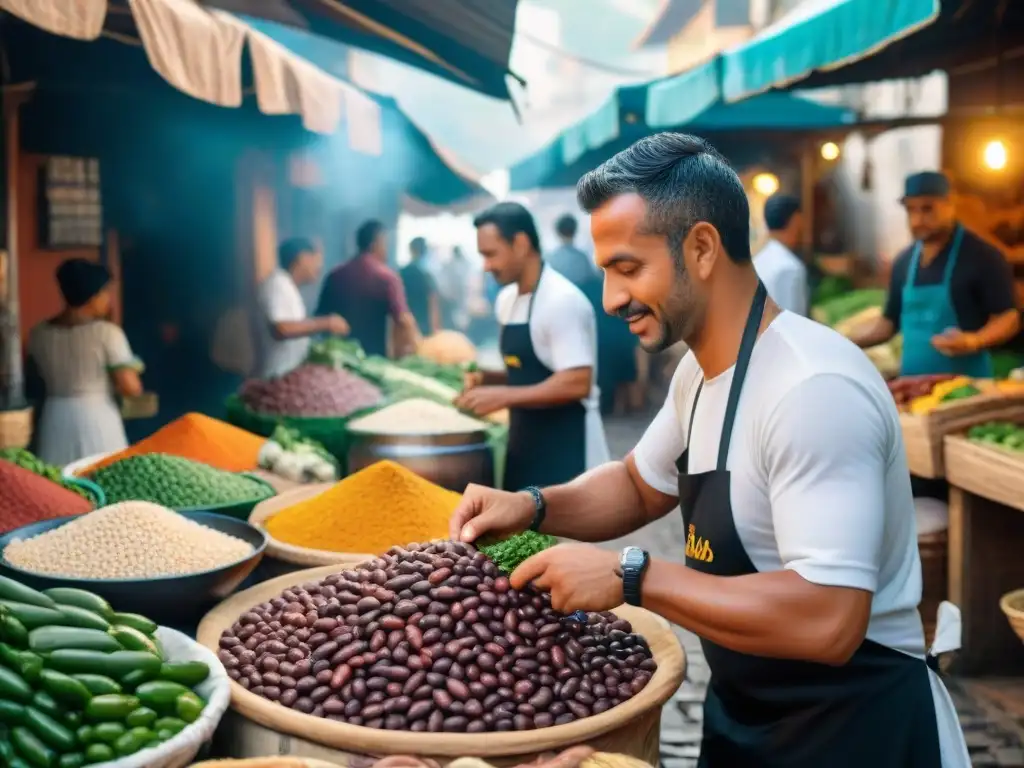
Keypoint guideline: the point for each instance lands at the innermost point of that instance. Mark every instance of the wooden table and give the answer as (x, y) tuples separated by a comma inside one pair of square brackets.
[(986, 551)]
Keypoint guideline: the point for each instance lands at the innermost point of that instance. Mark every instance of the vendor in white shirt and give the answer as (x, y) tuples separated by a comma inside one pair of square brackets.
[(782, 447), (780, 269), (549, 345), (285, 325)]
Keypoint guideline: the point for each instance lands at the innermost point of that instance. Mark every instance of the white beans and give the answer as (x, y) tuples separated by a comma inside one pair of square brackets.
[(130, 540), (417, 416)]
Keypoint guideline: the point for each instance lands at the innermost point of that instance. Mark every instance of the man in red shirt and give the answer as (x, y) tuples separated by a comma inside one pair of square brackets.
[(366, 291)]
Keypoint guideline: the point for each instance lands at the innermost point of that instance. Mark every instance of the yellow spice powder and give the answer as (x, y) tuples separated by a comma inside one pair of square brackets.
[(379, 507)]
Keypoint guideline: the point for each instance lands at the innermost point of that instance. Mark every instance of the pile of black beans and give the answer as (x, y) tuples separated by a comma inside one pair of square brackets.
[(432, 638)]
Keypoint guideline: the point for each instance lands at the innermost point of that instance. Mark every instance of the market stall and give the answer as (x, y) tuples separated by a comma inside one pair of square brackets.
[(985, 469)]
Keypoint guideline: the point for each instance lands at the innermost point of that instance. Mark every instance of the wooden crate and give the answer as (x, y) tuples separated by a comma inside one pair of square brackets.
[(985, 470), (923, 435)]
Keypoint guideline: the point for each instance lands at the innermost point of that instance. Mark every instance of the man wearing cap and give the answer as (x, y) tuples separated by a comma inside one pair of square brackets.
[(950, 293), (778, 266)]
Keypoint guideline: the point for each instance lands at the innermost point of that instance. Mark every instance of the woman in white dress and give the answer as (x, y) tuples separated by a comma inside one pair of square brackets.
[(83, 361)]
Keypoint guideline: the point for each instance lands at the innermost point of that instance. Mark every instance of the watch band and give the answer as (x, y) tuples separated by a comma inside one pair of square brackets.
[(540, 507), (632, 580)]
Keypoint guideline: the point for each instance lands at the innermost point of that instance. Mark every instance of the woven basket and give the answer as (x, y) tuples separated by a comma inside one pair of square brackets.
[(1012, 604), (16, 428)]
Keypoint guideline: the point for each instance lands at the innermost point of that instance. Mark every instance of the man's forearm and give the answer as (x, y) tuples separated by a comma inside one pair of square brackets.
[(559, 388), (998, 330), (878, 332), (776, 614), (407, 335), (296, 329), (599, 505)]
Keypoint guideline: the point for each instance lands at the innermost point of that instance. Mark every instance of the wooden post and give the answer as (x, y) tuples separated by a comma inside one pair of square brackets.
[(12, 381), (808, 182)]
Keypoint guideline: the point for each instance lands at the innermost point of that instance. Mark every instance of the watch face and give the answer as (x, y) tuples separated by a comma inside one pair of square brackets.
[(632, 557)]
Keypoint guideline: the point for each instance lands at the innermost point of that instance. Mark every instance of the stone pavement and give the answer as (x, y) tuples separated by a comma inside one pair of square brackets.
[(990, 714)]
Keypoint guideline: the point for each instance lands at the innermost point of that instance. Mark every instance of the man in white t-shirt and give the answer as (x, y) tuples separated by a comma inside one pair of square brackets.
[(549, 345), (782, 447), (285, 326), (780, 269)]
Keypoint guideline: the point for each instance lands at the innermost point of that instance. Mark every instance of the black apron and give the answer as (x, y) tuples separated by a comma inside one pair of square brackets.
[(546, 446), (875, 711)]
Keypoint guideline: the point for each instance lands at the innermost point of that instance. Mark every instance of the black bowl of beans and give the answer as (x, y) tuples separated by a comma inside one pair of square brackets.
[(432, 639)]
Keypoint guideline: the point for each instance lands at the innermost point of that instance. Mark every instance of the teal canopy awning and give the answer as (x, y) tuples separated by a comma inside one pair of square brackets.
[(820, 35), (773, 117)]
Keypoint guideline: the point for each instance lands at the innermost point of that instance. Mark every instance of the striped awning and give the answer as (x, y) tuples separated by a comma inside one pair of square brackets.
[(199, 52)]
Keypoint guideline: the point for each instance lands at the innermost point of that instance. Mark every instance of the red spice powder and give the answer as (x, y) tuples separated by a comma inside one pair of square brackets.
[(25, 498)]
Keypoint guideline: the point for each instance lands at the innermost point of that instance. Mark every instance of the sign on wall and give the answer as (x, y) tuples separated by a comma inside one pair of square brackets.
[(70, 206)]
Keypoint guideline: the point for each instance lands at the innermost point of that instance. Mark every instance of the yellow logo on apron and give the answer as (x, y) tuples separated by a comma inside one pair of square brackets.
[(511, 361), (697, 548)]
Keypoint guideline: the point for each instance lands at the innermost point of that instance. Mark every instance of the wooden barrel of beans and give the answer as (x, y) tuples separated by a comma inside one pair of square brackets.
[(255, 726), (934, 573), (281, 558)]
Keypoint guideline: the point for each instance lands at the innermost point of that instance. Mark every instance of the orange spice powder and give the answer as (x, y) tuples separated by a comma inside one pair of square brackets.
[(199, 438)]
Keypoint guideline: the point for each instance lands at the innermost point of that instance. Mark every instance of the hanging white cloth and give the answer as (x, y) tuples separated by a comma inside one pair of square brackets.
[(80, 19)]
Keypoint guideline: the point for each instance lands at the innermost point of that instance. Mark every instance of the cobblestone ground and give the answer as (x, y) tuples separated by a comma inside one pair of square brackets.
[(993, 722)]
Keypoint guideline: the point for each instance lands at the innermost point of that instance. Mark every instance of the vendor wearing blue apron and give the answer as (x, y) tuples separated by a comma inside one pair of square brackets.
[(797, 565), (950, 294), (549, 346)]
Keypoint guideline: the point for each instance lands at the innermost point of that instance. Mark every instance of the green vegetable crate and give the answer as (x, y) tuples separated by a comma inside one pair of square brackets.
[(988, 461), (923, 434), (82, 684)]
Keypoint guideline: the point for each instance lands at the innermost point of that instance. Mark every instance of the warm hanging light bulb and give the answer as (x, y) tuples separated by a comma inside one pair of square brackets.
[(995, 155), (830, 151), (766, 184)]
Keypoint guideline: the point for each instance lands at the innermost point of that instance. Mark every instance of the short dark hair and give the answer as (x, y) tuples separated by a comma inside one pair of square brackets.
[(289, 251), (418, 246), (367, 234), (510, 219), (566, 225), (779, 209), (683, 180)]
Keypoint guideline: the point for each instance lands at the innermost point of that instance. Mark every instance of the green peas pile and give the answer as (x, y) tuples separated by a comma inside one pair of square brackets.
[(175, 482), (31, 462), (509, 553)]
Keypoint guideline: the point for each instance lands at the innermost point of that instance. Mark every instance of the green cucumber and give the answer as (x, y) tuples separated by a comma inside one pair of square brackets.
[(132, 639), (11, 713), (33, 616), (72, 719), (17, 592), (136, 621), (85, 734), (160, 694), (109, 732), (131, 743), (64, 688), (189, 707), (80, 617), (44, 702), (71, 760), (187, 673), (135, 679), (113, 665), (9, 656), (79, 597), (17, 762), (29, 666), (111, 706), (13, 686), (49, 731), (48, 639), (6, 750), (13, 631), (29, 746), (173, 724), (142, 717), (98, 684), (98, 753)]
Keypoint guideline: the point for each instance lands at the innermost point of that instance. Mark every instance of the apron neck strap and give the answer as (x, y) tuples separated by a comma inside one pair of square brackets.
[(533, 294), (742, 363), (951, 259)]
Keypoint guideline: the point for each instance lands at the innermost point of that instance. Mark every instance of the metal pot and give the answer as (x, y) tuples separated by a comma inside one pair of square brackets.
[(452, 461)]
